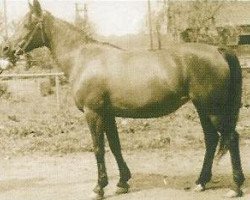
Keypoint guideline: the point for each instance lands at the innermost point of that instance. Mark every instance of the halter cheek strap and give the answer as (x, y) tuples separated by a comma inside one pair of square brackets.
[(24, 43)]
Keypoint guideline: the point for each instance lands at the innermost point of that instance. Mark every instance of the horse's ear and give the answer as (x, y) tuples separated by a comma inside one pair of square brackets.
[(37, 10), (30, 6)]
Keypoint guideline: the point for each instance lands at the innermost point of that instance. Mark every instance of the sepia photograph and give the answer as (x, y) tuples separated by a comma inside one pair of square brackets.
[(124, 99)]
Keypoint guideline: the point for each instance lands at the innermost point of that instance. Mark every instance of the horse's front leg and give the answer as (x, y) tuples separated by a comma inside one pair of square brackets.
[(96, 126)]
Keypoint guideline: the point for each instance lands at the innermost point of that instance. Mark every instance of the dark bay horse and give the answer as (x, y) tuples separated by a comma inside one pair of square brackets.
[(109, 82)]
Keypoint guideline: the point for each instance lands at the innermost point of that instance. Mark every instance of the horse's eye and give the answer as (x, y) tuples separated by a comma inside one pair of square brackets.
[(27, 26), (6, 48)]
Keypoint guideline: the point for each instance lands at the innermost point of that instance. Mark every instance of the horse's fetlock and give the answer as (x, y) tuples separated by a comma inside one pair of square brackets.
[(99, 190), (199, 182), (122, 188), (122, 184), (103, 181), (125, 173), (204, 179), (239, 179)]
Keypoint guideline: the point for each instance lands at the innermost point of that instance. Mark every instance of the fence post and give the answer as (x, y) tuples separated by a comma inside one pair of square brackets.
[(57, 92)]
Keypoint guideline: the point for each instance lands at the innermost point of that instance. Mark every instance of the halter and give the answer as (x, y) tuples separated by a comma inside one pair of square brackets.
[(21, 46)]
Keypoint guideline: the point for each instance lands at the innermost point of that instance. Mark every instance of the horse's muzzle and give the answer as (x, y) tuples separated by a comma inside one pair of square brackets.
[(4, 65)]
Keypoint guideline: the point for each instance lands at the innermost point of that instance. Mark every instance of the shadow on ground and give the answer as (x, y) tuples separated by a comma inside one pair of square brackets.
[(142, 181)]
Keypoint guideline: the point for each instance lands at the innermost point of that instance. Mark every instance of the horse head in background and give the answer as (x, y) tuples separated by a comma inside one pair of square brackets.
[(108, 82), (8, 59)]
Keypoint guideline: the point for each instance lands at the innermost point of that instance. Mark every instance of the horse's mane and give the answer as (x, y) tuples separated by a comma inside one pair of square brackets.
[(85, 37)]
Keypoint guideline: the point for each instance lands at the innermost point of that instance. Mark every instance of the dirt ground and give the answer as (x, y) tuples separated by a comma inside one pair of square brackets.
[(156, 175)]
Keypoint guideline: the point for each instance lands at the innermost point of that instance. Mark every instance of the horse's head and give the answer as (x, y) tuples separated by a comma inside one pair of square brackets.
[(29, 33)]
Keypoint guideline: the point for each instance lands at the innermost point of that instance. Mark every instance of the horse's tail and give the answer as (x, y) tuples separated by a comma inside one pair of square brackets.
[(234, 101)]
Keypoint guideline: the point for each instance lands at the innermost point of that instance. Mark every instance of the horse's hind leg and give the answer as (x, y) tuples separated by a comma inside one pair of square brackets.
[(238, 175), (96, 126), (114, 143), (211, 141), (230, 141)]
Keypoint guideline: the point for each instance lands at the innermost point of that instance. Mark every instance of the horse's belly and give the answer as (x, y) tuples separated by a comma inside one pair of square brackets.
[(149, 109)]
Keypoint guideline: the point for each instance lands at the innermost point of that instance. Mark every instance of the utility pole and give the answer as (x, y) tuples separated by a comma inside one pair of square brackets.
[(166, 12), (158, 31), (85, 11), (5, 19), (81, 15), (78, 13), (150, 25)]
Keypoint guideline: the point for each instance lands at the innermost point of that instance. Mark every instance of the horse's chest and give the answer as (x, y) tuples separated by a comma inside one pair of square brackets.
[(90, 91)]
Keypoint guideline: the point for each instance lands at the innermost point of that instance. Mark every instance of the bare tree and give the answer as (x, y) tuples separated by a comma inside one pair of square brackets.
[(201, 20), (150, 25), (2, 27), (5, 19), (192, 21)]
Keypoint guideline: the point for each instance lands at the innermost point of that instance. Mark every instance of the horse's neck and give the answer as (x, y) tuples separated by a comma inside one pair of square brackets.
[(64, 41)]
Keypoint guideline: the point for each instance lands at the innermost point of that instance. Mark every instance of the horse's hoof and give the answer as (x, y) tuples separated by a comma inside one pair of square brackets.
[(95, 196), (233, 194), (98, 193), (199, 188), (122, 190)]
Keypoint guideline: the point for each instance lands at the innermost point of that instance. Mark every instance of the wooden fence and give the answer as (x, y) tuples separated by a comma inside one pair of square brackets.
[(246, 85), (39, 75)]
